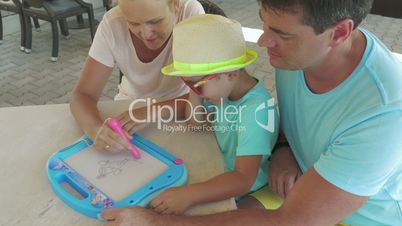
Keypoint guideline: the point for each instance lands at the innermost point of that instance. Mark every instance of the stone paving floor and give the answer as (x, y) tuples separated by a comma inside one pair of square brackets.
[(31, 79)]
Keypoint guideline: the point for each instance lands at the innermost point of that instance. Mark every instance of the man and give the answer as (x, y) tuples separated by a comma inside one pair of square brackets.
[(341, 112)]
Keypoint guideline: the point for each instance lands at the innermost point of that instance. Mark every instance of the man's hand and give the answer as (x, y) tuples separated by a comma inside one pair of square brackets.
[(283, 171), (134, 216)]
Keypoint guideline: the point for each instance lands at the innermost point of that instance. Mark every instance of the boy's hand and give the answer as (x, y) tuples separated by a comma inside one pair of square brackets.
[(283, 172), (172, 201), (132, 126)]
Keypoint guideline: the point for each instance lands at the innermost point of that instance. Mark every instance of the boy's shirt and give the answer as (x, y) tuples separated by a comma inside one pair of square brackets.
[(247, 127)]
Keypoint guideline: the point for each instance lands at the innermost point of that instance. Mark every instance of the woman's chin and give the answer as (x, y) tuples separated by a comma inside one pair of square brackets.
[(153, 45)]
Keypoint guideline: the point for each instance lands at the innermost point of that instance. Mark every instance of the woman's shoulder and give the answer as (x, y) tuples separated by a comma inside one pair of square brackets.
[(189, 8), (113, 21), (113, 16), (190, 3)]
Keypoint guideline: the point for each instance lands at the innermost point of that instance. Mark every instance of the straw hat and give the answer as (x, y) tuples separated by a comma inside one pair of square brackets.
[(207, 44)]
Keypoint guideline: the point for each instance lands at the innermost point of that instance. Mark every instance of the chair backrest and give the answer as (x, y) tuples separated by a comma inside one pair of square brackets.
[(5, 4), (211, 8), (389, 8), (33, 3)]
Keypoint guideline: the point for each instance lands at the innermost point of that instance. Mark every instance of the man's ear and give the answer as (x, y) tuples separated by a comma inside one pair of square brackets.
[(341, 31)]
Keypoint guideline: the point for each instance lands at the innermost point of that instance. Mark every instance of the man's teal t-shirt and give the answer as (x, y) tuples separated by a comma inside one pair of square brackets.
[(247, 127), (352, 135)]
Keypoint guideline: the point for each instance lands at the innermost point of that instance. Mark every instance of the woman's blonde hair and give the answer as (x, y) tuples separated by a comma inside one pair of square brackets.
[(173, 4)]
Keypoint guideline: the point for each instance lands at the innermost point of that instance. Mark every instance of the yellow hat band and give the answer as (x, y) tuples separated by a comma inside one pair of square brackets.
[(209, 66), (202, 68)]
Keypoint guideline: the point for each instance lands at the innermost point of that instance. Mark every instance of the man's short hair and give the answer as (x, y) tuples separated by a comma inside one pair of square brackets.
[(322, 14)]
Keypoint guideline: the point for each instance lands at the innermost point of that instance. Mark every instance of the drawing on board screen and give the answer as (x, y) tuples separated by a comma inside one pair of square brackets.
[(112, 167)]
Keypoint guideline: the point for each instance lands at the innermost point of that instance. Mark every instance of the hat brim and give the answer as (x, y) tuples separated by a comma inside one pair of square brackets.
[(251, 56)]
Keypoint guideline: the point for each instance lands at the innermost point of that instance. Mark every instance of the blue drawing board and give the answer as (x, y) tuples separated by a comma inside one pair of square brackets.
[(104, 180)]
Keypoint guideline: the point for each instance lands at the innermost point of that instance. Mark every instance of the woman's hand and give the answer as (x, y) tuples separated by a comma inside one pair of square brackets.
[(283, 171), (109, 141)]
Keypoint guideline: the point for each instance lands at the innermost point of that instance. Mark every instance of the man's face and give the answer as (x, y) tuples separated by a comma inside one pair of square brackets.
[(290, 44)]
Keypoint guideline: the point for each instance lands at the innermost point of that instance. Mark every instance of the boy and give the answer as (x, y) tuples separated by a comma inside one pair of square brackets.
[(239, 108)]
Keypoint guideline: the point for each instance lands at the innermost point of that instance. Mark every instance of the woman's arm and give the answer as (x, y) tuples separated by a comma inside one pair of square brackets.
[(157, 110), (83, 103)]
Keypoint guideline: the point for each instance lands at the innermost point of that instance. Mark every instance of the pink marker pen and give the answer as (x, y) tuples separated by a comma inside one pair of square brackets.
[(115, 125)]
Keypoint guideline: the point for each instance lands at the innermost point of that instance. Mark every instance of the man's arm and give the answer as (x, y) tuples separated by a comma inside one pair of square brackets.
[(312, 201)]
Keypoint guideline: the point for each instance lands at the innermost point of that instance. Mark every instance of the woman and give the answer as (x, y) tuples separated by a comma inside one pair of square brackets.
[(136, 35)]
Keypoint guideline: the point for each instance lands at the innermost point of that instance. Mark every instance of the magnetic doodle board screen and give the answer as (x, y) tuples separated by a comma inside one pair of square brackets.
[(117, 175)]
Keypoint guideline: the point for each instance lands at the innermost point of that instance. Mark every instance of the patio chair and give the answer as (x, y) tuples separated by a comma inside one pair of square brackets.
[(15, 6), (211, 8), (53, 11)]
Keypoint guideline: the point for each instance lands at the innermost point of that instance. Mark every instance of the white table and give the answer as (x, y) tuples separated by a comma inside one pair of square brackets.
[(30, 134)]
